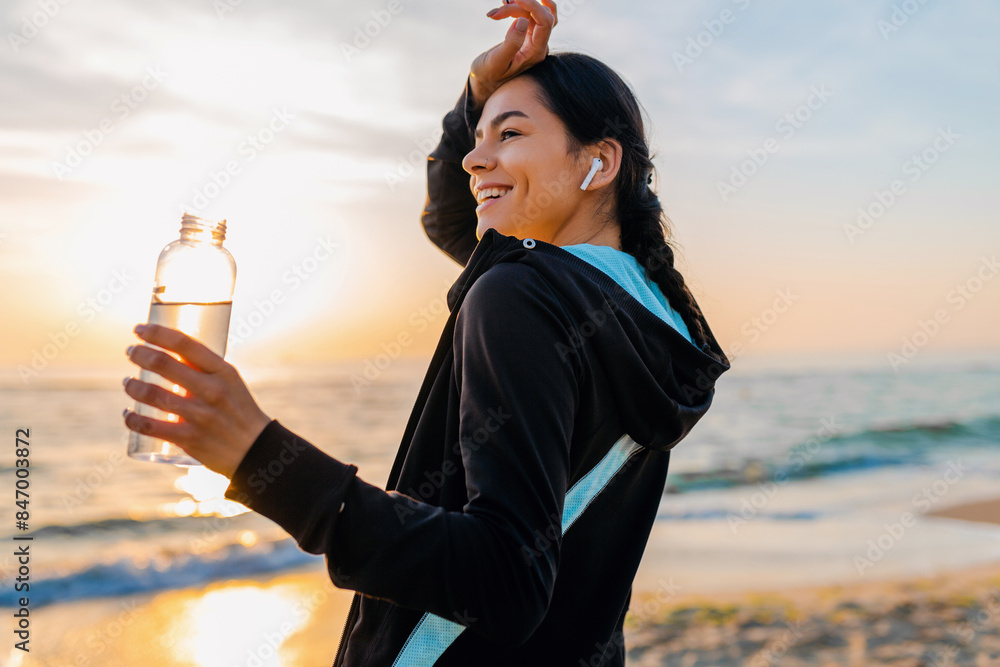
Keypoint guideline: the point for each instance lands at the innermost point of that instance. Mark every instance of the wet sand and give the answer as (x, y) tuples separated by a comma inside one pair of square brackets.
[(987, 511), (294, 618)]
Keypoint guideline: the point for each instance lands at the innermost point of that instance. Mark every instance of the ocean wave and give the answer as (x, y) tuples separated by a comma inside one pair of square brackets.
[(987, 427), (122, 527), (714, 514), (877, 446), (164, 571)]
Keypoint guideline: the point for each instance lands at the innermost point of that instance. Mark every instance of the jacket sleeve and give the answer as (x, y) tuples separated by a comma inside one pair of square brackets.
[(491, 566), (449, 216)]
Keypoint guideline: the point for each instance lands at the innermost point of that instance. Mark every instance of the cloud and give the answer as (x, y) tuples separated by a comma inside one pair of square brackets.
[(360, 115)]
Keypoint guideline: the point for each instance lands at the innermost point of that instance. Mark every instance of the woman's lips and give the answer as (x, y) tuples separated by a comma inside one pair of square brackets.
[(487, 202)]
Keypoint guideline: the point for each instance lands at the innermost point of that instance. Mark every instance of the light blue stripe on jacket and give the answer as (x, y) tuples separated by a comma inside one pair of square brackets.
[(433, 635)]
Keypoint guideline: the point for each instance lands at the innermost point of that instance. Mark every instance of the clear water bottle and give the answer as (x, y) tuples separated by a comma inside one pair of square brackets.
[(192, 292)]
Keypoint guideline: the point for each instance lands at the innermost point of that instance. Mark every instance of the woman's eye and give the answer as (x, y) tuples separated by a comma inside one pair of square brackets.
[(505, 133)]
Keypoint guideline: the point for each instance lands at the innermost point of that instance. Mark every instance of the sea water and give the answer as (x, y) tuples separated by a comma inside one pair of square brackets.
[(209, 324), (739, 509)]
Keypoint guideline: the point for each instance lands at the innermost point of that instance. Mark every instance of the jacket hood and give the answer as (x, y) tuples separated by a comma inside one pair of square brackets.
[(663, 382)]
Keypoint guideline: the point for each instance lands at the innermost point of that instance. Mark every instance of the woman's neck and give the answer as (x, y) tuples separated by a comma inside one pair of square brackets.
[(609, 235)]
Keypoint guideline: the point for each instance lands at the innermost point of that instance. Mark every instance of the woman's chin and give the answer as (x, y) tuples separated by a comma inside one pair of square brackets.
[(501, 226), (485, 223)]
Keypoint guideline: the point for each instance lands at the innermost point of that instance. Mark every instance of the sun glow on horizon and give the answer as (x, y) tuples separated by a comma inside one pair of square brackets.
[(258, 117)]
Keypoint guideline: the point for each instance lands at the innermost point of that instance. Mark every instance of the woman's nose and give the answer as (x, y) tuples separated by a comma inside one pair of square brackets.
[(476, 160)]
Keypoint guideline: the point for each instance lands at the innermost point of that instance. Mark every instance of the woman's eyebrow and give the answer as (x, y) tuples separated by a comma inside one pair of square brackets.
[(499, 118)]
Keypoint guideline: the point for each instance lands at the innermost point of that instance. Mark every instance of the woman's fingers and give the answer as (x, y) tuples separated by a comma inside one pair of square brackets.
[(525, 44), (219, 418), (191, 350), (542, 19), (187, 408), (164, 365), (552, 8), (542, 13), (179, 433), (195, 355), (498, 58)]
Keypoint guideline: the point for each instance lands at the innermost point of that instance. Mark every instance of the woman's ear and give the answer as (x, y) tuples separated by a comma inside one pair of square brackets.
[(609, 151)]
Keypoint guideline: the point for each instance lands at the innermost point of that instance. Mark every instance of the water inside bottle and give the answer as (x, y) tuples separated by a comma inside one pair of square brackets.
[(209, 324)]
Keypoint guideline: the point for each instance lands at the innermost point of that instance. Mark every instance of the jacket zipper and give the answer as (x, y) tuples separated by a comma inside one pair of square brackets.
[(343, 633)]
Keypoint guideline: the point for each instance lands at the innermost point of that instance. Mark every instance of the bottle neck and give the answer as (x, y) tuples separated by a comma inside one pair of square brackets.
[(197, 230)]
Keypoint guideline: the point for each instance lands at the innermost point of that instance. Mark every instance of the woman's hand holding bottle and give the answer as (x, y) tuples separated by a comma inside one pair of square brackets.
[(218, 419)]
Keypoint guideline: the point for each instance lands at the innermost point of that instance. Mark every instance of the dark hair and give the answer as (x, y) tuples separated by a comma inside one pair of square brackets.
[(594, 103)]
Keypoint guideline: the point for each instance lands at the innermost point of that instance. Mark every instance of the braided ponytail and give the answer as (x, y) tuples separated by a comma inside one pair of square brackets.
[(644, 236), (595, 103)]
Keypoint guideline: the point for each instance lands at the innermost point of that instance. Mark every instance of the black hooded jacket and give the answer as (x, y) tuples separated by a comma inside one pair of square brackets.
[(530, 470)]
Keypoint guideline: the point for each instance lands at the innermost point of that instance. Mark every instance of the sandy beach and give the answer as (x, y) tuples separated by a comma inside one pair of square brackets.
[(951, 618), (296, 619), (948, 619)]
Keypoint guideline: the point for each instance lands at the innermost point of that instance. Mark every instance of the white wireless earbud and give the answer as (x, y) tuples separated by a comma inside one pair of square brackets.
[(593, 170)]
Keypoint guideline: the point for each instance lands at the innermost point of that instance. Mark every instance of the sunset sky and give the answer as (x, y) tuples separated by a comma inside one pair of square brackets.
[(773, 126)]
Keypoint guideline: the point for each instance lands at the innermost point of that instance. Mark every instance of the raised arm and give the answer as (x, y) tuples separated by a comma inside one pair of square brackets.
[(449, 216)]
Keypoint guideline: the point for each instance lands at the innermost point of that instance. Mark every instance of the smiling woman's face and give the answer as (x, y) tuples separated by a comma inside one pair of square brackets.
[(523, 152)]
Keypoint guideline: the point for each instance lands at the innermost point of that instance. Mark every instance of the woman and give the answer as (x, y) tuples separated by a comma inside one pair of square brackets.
[(534, 460)]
